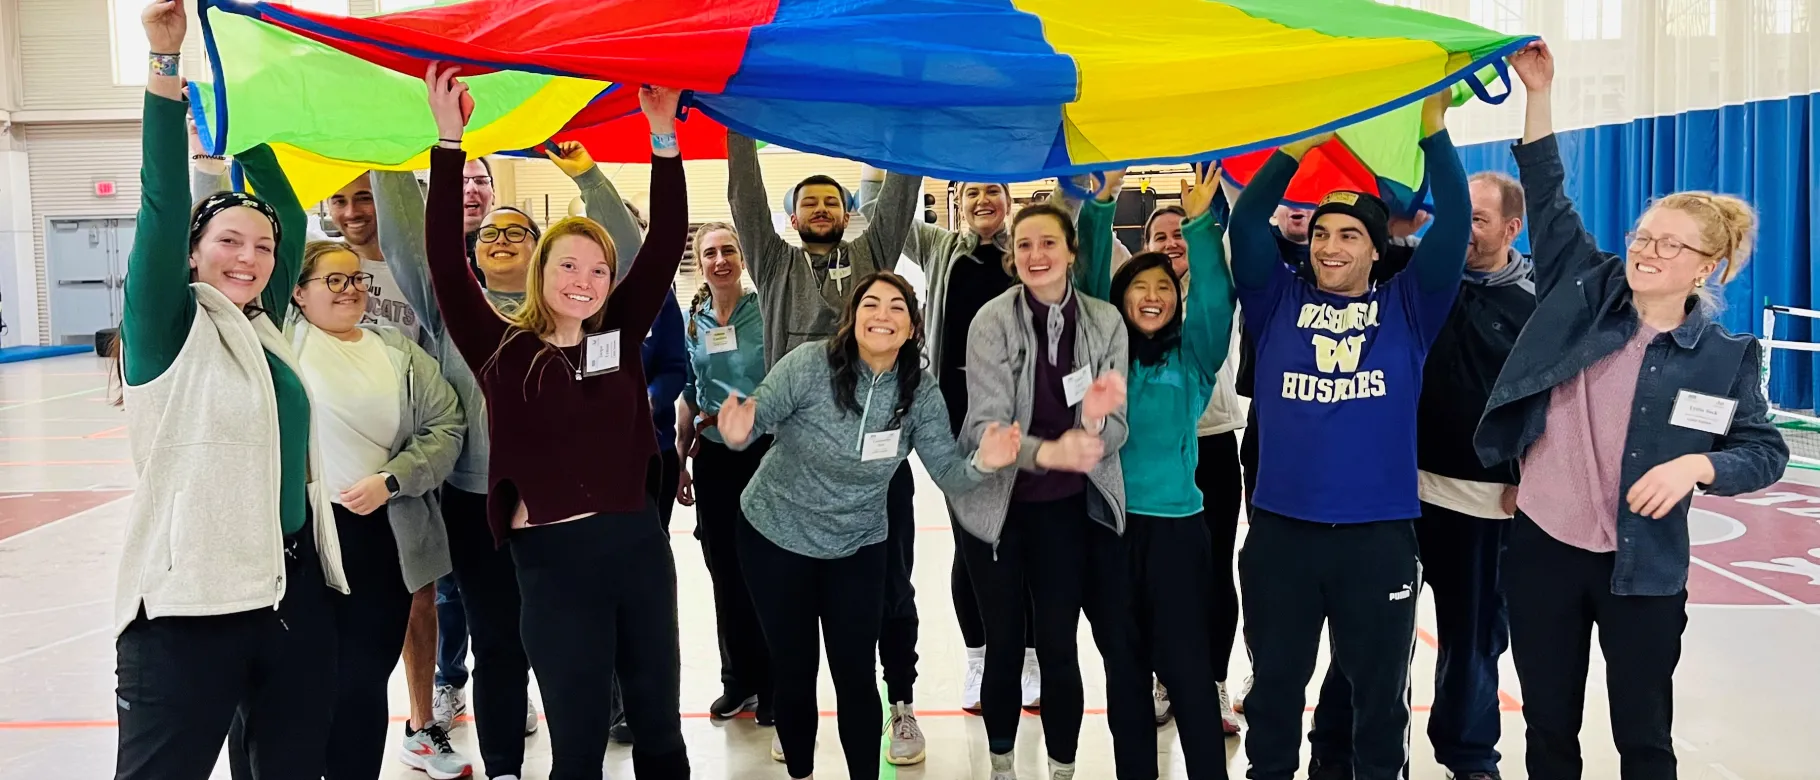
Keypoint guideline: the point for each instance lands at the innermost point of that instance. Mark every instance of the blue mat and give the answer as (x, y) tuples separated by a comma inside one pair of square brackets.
[(20, 354)]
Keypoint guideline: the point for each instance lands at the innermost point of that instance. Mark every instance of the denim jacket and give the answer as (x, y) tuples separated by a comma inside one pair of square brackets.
[(1585, 313)]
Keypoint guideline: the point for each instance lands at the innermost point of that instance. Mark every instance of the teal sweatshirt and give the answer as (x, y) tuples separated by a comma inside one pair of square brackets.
[(1164, 401), (813, 494), (742, 367)]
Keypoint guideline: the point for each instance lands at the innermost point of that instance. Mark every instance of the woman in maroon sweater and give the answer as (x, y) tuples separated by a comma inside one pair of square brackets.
[(571, 435)]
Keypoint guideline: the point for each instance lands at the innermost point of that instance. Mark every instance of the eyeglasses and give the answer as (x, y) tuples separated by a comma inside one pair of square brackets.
[(478, 181), (339, 282), (1666, 248), (513, 233)]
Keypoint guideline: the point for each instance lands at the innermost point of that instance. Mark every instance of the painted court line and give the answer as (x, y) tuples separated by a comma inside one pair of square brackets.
[(29, 531), (1758, 587), (58, 608), (59, 643), (22, 404)]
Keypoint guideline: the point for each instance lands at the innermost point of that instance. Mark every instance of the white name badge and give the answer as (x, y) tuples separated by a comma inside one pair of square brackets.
[(1075, 385), (879, 446), (838, 273), (1702, 412), (601, 353), (722, 340)]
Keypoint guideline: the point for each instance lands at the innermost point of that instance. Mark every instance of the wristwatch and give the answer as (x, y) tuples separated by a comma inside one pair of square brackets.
[(391, 485)]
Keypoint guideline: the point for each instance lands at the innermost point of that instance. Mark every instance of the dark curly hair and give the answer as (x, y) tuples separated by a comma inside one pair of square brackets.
[(843, 350)]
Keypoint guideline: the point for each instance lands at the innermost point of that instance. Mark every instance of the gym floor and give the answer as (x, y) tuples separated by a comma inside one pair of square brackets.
[(1748, 691)]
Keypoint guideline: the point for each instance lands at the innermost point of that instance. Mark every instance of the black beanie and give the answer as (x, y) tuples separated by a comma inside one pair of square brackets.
[(1362, 206)]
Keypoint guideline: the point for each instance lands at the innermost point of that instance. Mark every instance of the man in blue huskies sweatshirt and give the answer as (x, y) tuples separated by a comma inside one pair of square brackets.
[(1339, 375)]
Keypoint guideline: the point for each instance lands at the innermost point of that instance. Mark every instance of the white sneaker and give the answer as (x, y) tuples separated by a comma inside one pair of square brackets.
[(907, 743), (1238, 704), (1229, 721), (530, 716), (429, 750), (975, 677), (447, 704), (1032, 681), (1164, 709), (1060, 771), (1003, 767)]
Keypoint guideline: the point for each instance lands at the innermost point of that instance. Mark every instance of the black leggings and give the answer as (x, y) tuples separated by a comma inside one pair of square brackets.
[(967, 605), (1222, 494), (721, 475), (1173, 567), (897, 634), (1069, 563), (488, 580), (661, 478), (599, 597), (371, 622), (845, 596), (182, 681)]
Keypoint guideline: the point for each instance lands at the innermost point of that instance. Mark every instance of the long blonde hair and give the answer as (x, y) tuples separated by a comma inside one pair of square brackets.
[(705, 293), (534, 316), (1727, 224)]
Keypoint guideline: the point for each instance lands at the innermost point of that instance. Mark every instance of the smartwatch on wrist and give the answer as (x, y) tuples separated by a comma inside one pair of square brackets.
[(391, 485)]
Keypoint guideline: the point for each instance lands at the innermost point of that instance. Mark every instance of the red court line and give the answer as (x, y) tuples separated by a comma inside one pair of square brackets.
[(1506, 702), (110, 433)]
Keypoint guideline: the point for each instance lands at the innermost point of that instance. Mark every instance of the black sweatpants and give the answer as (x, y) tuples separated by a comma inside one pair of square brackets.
[(1174, 569), (1220, 479), (842, 599), (1361, 579), (1058, 555), (662, 475), (1557, 594), (600, 597), (1460, 563), (897, 636), (370, 623), (489, 598), (721, 475), (182, 681)]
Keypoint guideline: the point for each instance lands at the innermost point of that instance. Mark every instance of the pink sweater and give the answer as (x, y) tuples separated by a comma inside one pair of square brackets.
[(1573, 473)]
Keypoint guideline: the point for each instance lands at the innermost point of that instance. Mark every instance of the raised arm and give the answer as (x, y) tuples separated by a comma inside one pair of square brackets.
[(1559, 244), (268, 181), (159, 305), (635, 302), (751, 209), (398, 200), (429, 455), (1093, 266), (1440, 258), (896, 209), (1254, 244), (602, 200), (924, 240), (468, 317), (1207, 309)]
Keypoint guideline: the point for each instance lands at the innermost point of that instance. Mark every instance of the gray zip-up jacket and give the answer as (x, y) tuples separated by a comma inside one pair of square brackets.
[(399, 202), (1001, 376), (812, 493), (430, 431), (802, 302)]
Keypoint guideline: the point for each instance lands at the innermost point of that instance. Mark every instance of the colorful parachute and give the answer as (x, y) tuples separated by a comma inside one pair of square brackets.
[(1000, 89)]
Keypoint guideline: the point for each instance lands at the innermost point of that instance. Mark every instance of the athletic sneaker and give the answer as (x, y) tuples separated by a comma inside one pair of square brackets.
[(1238, 704), (447, 704), (765, 716), (1032, 681), (975, 677), (621, 733), (1229, 722), (1060, 771), (429, 750), (907, 743), (530, 717), (728, 706), (1164, 709), (1003, 768), (777, 749)]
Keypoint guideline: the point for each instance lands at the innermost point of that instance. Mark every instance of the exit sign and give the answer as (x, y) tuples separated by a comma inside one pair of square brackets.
[(104, 189)]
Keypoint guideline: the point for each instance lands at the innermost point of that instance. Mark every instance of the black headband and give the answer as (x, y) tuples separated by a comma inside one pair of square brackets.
[(222, 201)]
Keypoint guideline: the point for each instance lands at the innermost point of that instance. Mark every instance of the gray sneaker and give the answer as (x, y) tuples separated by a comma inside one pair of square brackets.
[(907, 743), (447, 704), (429, 750), (530, 717)]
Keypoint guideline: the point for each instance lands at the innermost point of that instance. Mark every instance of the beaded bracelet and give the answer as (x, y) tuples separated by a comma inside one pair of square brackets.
[(164, 64), (663, 142)]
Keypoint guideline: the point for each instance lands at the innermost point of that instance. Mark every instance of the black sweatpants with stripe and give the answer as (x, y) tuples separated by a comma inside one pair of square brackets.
[(1362, 580)]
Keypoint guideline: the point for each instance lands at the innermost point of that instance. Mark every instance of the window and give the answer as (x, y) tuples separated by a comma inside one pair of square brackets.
[(131, 47), (1591, 20), (1781, 17), (1691, 18), (1505, 16)]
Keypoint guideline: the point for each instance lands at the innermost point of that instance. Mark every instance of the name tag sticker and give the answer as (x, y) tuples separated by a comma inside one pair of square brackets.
[(879, 446), (1075, 385), (838, 273), (1702, 412), (601, 354), (722, 340)]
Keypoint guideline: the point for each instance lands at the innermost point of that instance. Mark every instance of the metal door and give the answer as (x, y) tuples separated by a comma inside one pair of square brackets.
[(86, 262)]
